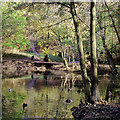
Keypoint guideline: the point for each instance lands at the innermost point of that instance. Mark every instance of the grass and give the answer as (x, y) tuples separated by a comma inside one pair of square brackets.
[(24, 55), (55, 58)]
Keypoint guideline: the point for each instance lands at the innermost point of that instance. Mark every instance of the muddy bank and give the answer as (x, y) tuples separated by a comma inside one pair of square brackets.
[(17, 68), (14, 68)]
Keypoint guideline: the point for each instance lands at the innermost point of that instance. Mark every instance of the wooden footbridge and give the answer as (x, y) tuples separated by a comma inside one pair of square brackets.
[(46, 64)]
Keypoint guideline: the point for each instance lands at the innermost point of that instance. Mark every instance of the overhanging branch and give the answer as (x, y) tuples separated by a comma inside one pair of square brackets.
[(56, 23)]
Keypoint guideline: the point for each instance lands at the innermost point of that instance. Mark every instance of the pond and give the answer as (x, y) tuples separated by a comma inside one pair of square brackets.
[(45, 95)]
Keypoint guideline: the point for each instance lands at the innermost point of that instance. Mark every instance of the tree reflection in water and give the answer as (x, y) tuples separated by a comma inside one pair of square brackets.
[(45, 94)]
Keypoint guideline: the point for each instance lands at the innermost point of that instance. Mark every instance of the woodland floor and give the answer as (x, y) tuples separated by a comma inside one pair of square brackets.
[(99, 111)]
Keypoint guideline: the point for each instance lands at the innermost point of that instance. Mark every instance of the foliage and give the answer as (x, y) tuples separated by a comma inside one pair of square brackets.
[(13, 22), (55, 58), (51, 27)]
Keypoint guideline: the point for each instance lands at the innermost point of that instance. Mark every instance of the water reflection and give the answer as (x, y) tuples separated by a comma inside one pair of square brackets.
[(45, 95), (113, 89)]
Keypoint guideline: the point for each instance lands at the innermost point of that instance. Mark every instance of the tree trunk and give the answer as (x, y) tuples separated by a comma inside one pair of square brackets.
[(94, 74), (73, 61), (119, 19), (79, 43), (65, 60), (109, 56), (65, 63), (34, 48), (63, 53), (93, 41), (85, 77)]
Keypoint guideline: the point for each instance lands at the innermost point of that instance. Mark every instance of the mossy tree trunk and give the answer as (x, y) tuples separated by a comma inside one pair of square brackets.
[(94, 74), (94, 65), (85, 77), (79, 42)]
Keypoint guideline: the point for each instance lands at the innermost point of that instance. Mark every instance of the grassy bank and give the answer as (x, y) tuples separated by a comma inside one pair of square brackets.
[(26, 55)]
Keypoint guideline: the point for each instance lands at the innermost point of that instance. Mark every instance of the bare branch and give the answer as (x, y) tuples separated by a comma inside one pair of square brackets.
[(56, 23)]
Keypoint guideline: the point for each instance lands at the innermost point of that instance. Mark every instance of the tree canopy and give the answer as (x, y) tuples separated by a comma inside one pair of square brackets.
[(50, 26)]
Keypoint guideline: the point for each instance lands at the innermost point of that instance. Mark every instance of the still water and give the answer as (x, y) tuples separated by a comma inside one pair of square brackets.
[(45, 95)]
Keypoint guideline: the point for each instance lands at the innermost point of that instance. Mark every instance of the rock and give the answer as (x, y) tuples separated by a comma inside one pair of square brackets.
[(68, 101), (24, 105)]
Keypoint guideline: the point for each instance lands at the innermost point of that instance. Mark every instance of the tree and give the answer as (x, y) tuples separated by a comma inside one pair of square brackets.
[(93, 61), (93, 40), (108, 54), (85, 77), (13, 27), (107, 32)]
